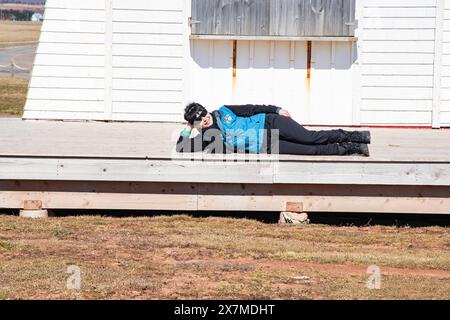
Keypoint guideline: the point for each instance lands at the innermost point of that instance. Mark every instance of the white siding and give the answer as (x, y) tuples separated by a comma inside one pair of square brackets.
[(132, 71), (68, 74), (149, 44), (133, 60), (397, 60)]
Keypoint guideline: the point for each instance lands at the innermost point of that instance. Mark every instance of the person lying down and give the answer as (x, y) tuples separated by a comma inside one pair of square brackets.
[(263, 129)]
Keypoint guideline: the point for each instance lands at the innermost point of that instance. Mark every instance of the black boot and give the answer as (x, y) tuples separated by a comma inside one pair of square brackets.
[(354, 136), (350, 148)]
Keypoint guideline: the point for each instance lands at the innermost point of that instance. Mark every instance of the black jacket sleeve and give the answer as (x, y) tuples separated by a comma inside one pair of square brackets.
[(249, 110)]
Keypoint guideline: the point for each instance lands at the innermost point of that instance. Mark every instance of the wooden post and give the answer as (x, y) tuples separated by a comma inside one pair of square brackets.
[(12, 70)]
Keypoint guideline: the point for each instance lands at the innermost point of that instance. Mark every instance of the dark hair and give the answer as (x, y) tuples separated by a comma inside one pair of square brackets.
[(192, 111)]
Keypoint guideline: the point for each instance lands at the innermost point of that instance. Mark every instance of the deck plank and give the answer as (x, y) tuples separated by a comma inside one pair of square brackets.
[(157, 140), (144, 152)]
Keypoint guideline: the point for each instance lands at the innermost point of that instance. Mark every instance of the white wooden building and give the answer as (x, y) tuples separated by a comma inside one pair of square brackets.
[(138, 60)]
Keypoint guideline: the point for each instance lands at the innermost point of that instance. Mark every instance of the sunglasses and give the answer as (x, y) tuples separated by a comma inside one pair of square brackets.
[(201, 118)]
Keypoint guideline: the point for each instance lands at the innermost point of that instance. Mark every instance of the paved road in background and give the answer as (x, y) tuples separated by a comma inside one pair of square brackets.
[(23, 57)]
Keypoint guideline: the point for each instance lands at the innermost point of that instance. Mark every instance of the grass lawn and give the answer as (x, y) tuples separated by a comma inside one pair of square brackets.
[(218, 258), (12, 96), (18, 33)]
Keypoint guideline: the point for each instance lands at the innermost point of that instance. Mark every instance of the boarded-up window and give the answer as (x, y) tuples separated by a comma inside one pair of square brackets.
[(293, 18)]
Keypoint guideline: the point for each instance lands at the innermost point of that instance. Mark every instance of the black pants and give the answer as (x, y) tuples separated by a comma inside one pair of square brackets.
[(295, 139)]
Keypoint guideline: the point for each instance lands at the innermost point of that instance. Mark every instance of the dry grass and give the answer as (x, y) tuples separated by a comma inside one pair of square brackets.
[(18, 33), (183, 257), (13, 93)]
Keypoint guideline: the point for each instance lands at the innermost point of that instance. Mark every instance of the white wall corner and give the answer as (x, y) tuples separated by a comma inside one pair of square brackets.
[(108, 59), (437, 74), (187, 57), (357, 58)]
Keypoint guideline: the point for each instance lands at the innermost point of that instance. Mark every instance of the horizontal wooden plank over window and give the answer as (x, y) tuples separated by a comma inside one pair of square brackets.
[(285, 18)]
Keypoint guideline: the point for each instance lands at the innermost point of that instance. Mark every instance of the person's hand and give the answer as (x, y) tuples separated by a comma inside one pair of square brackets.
[(285, 113), (187, 130)]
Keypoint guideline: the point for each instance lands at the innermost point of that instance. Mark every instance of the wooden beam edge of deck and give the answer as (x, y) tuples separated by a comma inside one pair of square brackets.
[(54, 195), (364, 173)]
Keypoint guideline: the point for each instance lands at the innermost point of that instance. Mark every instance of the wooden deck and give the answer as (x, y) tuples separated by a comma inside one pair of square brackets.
[(133, 166)]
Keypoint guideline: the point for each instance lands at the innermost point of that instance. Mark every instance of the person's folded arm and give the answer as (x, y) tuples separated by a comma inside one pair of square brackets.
[(187, 144), (249, 110)]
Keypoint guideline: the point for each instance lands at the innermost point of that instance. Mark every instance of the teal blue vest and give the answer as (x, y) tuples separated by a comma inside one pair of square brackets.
[(241, 133)]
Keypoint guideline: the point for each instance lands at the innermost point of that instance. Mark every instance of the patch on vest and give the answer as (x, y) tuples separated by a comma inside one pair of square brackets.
[(227, 119)]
